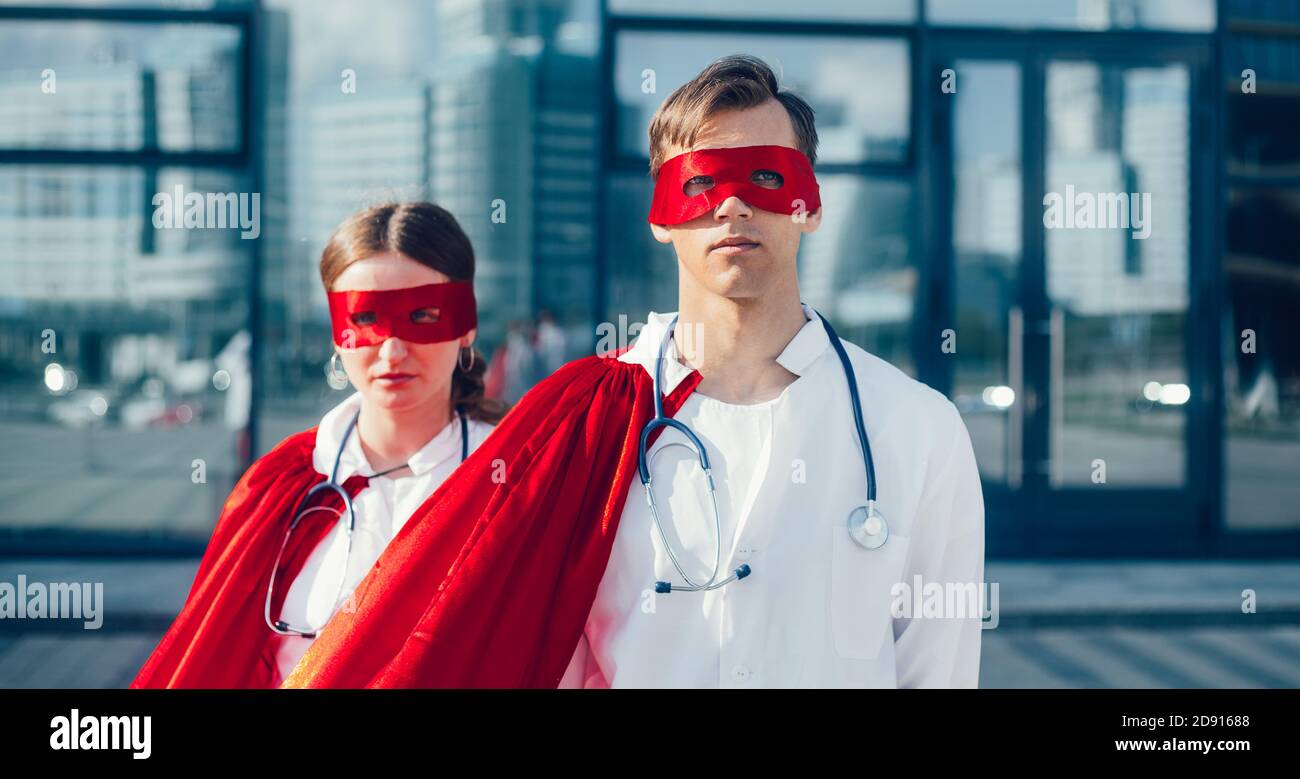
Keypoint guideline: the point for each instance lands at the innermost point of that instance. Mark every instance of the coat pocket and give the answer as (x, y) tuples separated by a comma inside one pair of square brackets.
[(862, 581)]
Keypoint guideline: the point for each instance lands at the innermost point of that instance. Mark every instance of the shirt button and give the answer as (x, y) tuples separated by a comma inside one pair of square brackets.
[(741, 673)]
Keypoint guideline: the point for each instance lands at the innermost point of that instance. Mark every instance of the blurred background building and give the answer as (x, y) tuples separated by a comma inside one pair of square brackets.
[(1127, 397)]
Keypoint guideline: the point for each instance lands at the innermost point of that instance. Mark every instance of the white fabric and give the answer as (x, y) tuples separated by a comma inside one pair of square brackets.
[(816, 611), (382, 509)]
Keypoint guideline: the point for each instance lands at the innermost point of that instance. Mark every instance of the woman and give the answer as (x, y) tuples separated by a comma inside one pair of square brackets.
[(399, 282)]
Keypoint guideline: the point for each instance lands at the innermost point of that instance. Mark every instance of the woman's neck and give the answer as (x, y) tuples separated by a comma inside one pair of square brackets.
[(390, 437)]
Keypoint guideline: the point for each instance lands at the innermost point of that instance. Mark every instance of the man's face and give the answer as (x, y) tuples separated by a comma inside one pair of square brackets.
[(738, 250)]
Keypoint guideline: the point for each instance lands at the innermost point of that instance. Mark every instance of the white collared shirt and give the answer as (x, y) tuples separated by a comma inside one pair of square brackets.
[(816, 609), (382, 509)]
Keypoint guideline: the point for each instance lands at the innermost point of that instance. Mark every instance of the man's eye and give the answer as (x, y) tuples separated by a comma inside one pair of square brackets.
[(363, 318), (697, 185), (767, 179), (425, 316)]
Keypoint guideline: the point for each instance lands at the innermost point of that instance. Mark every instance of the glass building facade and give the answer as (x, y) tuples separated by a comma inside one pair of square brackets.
[(1077, 218)]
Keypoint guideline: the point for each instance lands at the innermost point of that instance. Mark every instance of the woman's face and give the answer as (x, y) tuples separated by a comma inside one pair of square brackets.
[(397, 374)]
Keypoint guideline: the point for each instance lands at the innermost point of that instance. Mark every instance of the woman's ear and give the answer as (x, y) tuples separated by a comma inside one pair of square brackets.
[(467, 340)]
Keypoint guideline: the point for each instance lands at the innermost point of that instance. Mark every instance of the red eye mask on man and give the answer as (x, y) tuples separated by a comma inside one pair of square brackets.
[(431, 313), (773, 178)]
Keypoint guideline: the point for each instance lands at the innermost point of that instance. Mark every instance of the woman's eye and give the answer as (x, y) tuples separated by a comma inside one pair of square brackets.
[(425, 316), (697, 185), (363, 318), (767, 179)]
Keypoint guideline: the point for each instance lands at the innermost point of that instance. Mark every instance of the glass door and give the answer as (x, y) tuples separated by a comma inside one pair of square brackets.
[(1117, 168), (980, 191), (1066, 185)]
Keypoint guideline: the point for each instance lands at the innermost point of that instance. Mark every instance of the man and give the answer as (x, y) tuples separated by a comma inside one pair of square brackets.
[(562, 565)]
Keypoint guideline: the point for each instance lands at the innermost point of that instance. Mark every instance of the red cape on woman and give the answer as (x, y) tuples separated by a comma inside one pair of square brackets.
[(220, 639), (490, 582)]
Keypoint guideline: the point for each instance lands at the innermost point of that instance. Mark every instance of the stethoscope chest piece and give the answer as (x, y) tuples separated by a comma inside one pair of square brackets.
[(868, 527)]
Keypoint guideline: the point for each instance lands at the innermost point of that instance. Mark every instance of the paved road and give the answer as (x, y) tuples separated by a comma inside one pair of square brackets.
[(1207, 657), (1019, 658)]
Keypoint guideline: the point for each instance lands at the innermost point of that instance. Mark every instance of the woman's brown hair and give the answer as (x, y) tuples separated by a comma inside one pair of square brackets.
[(431, 236)]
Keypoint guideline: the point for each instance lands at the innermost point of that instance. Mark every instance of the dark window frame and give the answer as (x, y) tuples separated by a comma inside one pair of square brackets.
[(243, 161)]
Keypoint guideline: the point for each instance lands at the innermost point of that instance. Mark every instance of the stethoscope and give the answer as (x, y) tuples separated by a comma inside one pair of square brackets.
[(866, 525), (332, 485)]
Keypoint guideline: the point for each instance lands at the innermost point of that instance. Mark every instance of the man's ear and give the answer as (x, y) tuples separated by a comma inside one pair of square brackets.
[(811, 221), (662, 233)]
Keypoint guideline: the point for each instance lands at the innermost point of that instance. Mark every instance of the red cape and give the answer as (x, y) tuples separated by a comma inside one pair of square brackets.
[(490, 582), (220, 638)]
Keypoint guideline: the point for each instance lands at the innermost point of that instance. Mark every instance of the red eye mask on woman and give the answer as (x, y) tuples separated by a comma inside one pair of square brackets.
[(431, 313), (773, 178)]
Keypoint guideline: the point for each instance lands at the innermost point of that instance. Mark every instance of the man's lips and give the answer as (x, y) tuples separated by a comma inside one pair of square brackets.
[(734, 244)]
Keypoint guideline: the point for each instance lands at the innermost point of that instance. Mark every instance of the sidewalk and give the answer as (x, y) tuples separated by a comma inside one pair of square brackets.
[(1061, 624), (1145, 594)]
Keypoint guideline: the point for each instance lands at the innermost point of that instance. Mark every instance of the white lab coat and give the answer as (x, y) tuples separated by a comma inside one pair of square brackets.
[(382, 509), (816, 610)]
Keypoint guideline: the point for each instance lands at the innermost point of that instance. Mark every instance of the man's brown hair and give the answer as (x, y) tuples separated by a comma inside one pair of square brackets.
[(735, 82)]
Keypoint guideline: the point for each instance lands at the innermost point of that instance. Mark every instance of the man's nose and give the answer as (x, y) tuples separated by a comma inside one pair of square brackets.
[(732, 208)]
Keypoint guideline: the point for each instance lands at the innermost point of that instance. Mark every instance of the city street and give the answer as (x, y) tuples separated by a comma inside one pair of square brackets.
[(1012, 658), (1061, 625)]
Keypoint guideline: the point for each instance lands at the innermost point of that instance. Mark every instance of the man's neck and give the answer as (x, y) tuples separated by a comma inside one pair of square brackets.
[(734, 343), (389, 438)]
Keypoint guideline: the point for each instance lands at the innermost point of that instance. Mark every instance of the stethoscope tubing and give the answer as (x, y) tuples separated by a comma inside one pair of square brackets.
[(332, 485), (645, 460)]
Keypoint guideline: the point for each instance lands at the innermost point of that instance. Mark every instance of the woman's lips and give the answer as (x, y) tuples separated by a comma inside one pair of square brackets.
[(394, 379)]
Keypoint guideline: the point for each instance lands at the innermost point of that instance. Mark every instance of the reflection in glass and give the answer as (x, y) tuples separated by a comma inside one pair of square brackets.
[(1117, 261), (184, 5), (640, 272), (1181, 15), (123, 354), (986, 219), (828, 10), (857, 267), (74, 85), (1262, 117), (1261, 359), (853, 124)]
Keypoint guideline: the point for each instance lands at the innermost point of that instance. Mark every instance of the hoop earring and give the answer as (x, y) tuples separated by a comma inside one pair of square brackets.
[(335, 376), (460, 359)]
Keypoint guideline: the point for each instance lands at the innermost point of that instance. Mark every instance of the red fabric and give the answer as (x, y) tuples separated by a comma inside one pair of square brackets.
[(732, 170), (220, 639), (490, 582), (391, 310)]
